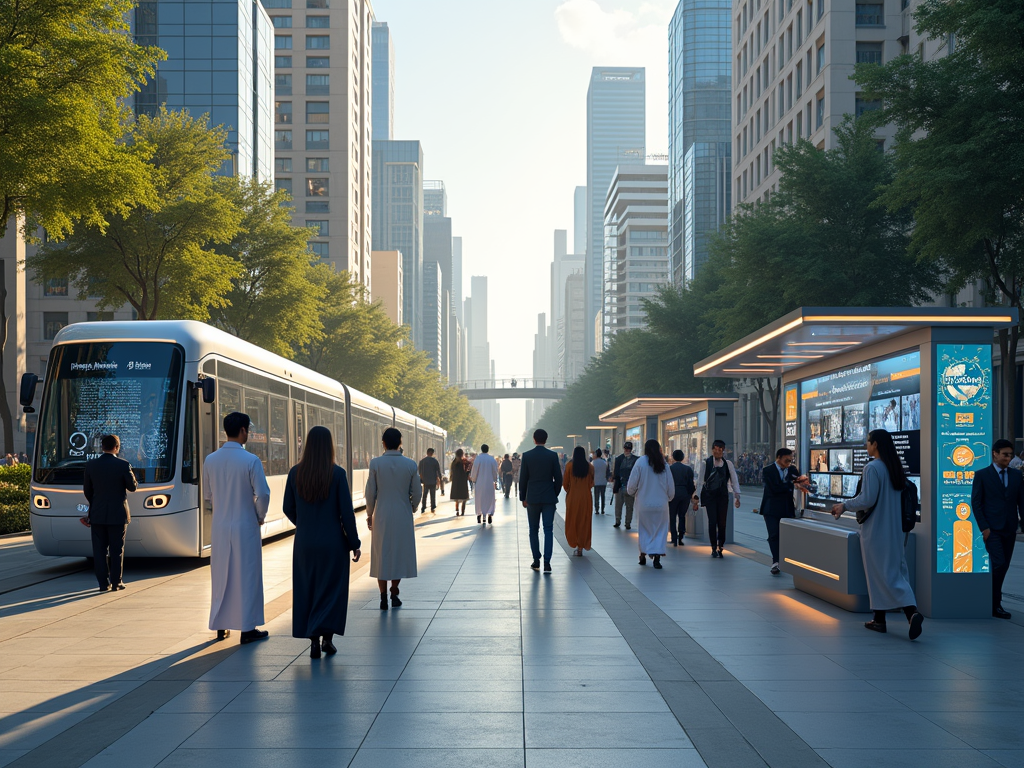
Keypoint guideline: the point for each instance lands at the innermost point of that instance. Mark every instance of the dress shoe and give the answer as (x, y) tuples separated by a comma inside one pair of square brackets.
[(314, 647), (915, 626), (104, 588), (117, 587), (253, 635), (1000, 613), (657, 561), (714, 552), (535, 565), (875, 626), (616, 525), (775, 569), (643, 559), (223, 634), (547, 567), (681, 542), (478, 518), (628, 526), (383, 601), (328, 646), (490, 519), (675, 543), (395, 602)]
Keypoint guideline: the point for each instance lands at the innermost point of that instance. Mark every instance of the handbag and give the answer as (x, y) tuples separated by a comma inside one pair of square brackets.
[(863, 514), (714, 479)]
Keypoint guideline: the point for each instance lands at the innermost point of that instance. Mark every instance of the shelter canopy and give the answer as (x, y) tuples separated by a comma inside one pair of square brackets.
[(642, 406)]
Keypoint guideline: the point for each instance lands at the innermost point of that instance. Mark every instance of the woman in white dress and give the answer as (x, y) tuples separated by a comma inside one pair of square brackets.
[(652, 485)]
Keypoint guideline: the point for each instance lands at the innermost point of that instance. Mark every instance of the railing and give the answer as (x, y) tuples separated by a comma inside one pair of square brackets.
[(513, 383)]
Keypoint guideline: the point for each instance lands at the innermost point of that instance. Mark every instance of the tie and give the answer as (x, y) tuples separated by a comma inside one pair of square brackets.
[(1002, 476)]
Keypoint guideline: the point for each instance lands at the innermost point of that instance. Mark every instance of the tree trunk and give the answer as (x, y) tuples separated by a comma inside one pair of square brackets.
[(1008, 342), (771, 414), (6, 419)]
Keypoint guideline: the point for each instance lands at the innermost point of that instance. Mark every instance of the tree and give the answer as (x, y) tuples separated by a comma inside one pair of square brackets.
[(275, 301), (959, 153), (358, 343), (65, 69), (159, 257)]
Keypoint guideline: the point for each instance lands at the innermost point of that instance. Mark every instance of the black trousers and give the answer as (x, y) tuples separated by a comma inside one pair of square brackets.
[(506, 484), (104, 538), (772, 523), (677, 516), (718, 512), (430, 488), (1000, 551), (599, 498)]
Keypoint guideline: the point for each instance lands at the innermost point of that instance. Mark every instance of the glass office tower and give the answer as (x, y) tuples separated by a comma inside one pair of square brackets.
[(383, 82), (616, 130), (219, 63), (700, 84)]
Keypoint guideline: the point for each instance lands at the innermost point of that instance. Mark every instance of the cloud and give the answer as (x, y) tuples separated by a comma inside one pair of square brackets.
[(617, 36)]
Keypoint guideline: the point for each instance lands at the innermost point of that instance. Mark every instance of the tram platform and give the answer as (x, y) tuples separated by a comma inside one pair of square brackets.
[(488, 663)]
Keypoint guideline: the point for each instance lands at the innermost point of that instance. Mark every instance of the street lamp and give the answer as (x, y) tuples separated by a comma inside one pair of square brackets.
[(574, 439)]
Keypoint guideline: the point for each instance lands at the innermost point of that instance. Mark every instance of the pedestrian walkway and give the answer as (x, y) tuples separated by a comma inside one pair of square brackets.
[(489, 663)]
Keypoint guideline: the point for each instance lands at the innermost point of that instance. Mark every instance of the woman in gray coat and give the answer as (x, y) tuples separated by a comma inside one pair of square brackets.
[(393, 490), (879, 511)]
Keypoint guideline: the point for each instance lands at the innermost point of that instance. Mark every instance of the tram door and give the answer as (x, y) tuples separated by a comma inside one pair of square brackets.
[(206, 430)]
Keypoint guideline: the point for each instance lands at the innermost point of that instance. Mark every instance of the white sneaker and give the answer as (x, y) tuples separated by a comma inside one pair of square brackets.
[(775, 569)]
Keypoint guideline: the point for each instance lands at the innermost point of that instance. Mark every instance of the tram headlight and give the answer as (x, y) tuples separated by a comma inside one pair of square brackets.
[(157, 501), (40, 501)]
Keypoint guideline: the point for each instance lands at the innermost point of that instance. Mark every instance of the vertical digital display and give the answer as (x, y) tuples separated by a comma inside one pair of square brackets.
[(838, 409), (963, 440), (790, 414)]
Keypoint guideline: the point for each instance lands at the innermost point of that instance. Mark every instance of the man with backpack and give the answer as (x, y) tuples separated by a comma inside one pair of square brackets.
[(716, 479), (623, 467)]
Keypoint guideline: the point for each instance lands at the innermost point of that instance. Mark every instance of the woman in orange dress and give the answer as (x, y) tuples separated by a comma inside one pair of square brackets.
[(578, 483)]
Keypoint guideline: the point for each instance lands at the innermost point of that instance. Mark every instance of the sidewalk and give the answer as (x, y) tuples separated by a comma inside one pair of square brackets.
[(488, 663)]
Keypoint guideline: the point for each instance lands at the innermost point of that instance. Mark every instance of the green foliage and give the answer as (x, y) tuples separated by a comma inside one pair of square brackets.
[(64, 70), (159, 256), (275, 301), (14, 498)]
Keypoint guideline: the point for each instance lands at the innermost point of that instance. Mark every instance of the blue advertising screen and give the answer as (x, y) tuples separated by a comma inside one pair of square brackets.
[(963, 440)]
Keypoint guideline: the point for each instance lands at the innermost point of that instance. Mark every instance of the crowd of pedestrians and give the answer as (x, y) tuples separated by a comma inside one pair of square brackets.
[(653, 489), (749, 465)]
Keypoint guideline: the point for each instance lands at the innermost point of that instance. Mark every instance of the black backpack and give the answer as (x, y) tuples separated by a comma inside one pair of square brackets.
[(908, 506)]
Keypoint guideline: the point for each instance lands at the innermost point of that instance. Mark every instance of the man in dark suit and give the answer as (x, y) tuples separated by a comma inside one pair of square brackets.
[(997, 501), (780, 480), (682, 477), (620, 474), (540, 480), (108, 481)]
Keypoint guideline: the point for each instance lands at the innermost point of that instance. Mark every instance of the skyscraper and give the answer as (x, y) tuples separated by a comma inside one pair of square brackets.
[(322, 136), (636, 245), (700, 133), (398, 219), (479, 349), (435, 199), (223, 68), (383, 82), (457, 277), (437, 249), (579, 221), (562, 265), (431, 321), (616, 131)]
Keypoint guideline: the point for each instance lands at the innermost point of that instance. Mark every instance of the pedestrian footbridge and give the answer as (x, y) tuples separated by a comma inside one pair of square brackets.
[(513, 388)]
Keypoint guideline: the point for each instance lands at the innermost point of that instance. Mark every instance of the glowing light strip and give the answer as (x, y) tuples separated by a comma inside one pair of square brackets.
[(748, 370), (751, 345), (823, 343), (943, 319), (147, 488), (798, 564), (789, 357)]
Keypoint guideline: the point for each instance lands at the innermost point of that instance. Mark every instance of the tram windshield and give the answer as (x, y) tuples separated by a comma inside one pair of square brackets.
[(127, 388)]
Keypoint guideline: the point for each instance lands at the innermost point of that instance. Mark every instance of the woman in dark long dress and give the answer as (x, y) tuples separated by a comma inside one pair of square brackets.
[(318, 501), (459, 490)]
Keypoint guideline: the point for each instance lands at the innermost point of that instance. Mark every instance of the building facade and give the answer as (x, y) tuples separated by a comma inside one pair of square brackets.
[(792, 63), (431, 321), (383, 82), (562, 265), (480, 365), (219, 63), (322, 124), (636, 259), (577, 326), (398, 219), (700, 130), (616, 132), (388, 283)]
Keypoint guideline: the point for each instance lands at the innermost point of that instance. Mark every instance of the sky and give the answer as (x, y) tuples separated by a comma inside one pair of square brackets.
[(496, 92)]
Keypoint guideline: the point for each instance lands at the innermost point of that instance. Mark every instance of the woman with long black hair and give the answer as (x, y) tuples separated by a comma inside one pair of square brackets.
[(458, 490), (879, 512), (578, 481), (318, 501), (653, 486)]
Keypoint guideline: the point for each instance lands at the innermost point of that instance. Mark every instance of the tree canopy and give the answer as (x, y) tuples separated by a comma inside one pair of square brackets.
[(65, 69)]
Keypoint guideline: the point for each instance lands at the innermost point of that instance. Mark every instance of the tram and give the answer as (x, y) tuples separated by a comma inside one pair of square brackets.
[(164, 387)]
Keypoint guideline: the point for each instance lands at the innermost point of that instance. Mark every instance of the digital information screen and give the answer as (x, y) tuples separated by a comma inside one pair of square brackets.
[(963, 440), (839, 409)]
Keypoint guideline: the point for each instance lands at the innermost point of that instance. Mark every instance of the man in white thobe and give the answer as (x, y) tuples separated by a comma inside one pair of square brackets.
[(235, 484), (485, 475)]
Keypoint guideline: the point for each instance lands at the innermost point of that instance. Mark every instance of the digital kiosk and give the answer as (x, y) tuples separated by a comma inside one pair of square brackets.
[(690, 423), (925, 375)]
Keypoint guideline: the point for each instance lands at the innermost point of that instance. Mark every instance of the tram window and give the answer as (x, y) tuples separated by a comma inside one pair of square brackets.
[(278, 436), (210, 367), (256, 408), (230, 398), (339, 435), (188, 440), (300, 429)]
